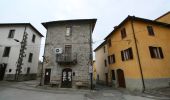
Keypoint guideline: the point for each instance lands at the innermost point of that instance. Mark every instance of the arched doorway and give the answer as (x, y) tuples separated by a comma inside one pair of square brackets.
[(66, 78), (121, 78)]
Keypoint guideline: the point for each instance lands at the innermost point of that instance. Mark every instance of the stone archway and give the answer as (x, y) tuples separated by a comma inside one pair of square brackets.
[(66, 78)]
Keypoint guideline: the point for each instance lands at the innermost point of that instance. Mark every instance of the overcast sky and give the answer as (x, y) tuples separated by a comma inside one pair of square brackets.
[(108, 12)]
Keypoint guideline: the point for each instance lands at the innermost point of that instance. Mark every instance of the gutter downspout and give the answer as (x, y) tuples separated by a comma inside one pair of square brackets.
[(91, 58), (140, 66)]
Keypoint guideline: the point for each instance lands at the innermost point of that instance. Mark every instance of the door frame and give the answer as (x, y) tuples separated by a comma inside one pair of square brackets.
[(47, 81), (66, 85), (107, 79)]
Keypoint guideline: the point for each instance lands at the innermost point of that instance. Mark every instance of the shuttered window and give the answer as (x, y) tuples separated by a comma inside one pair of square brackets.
[(111, 59), (127, 54), (123, 33), (150, 30), (156, 52)]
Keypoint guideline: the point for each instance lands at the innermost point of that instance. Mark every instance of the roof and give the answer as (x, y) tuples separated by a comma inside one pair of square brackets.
[(163, 15), (22, 24), (138, 19), (101, 45), (93, 21)]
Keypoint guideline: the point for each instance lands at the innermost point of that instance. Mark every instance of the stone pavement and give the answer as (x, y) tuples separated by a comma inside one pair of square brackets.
[(29, 90)]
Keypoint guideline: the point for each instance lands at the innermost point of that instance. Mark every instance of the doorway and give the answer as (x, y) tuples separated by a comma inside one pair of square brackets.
[(66, 78), (2, 71), (106, 75), (47, 76), (121, 78)]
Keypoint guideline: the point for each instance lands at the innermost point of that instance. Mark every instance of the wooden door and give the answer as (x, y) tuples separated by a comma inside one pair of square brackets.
[(121, 78), (47, 76)]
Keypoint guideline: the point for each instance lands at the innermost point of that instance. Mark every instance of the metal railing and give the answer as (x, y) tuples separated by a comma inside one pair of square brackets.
[(66, 58)]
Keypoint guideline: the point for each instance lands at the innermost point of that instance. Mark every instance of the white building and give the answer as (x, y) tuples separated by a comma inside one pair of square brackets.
[(12, 36)]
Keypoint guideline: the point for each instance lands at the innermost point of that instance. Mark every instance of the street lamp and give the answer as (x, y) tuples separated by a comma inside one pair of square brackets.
[(41, 80)]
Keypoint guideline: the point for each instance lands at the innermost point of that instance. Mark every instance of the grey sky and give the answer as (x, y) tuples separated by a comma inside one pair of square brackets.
[(108, 12)]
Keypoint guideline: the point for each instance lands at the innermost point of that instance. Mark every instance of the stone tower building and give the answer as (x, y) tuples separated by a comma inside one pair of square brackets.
[(68, 52)]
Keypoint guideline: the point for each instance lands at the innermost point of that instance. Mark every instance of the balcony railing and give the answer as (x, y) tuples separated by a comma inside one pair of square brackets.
[(65, 58)]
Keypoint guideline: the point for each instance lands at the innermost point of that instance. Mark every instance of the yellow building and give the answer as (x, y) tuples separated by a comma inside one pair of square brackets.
[(138, 53), (164, 18)]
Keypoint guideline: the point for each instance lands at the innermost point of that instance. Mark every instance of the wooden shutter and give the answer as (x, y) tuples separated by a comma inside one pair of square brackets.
[(150, 30), (122, 56), (113, 58), (151, 52), (123, 33), (161, 53), (131, 53)]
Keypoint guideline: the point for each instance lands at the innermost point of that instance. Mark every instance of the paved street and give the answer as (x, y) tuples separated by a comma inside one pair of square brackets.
[(29, 91)]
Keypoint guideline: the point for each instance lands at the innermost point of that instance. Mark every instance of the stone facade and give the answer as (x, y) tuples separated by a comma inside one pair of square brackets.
[(79, 42)]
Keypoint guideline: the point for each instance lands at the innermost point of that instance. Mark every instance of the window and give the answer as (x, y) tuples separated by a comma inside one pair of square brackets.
[(109, 43), (105, 63), (30, 57), (33, 38), (6, 51), (150, 30), (10, 70), (11, 34), (68, 52), (127, 54), (123, 33), (68, 31), (156, 52), (104, 49), (28, 70), (112, 59)]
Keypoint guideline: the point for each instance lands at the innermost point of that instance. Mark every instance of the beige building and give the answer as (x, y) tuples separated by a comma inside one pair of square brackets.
[(101, 57)]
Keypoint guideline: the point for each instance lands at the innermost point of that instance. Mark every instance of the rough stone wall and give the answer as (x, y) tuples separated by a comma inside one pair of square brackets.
[(80, 41)]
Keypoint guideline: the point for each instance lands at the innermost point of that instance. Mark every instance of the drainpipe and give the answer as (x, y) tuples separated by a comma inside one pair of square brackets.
[(137, 51), (91, 58)]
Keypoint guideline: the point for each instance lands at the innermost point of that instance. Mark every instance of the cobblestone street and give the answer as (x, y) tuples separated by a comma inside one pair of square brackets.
[(29, 91)]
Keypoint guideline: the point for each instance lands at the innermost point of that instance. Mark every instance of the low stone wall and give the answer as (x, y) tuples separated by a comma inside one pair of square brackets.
[(22, 77)]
